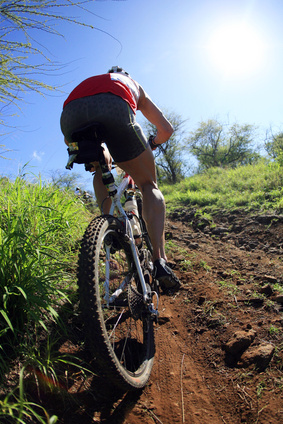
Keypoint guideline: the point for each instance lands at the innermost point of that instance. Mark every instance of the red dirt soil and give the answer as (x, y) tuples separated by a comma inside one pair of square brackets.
[(231, 275)]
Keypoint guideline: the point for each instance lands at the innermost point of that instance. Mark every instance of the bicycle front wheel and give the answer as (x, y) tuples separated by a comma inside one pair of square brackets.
[(119, 330)]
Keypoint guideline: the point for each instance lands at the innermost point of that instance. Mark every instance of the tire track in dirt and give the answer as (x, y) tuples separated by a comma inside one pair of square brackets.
[(174, 371)]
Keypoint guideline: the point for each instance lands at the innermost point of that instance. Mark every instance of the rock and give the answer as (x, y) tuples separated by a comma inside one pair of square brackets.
[(193, 245), (278, 298), (219, 230), (237, 228), (213, 322), (260, 356), (266, 289), (270, 279), (168, 235), (267, 219), (179, 258), (240, 341), (255, 301)]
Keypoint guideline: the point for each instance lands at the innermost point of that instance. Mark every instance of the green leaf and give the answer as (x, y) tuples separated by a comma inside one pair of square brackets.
[(6, 318), (22, 291)]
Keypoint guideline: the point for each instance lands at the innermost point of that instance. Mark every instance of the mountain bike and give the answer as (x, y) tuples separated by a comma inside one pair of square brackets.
[(118, 294)]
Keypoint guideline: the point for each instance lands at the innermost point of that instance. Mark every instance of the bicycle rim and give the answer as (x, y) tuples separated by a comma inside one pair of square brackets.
[(119, 330)]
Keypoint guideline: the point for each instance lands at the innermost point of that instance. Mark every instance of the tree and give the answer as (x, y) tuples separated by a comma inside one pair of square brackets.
[(169, 157), (214, 144), (65, 180), (274, 146), (20, 58)]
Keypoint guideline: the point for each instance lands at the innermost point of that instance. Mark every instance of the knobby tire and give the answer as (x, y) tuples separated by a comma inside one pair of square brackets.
[(120, 336)]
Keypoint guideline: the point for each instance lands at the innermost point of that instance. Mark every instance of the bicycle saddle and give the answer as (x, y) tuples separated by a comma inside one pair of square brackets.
[(85, 146)]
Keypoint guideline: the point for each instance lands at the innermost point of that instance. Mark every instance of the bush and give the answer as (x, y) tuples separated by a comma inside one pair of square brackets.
[(257, 187)]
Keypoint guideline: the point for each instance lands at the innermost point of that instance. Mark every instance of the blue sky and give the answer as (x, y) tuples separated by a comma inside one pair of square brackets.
[(201, 59)]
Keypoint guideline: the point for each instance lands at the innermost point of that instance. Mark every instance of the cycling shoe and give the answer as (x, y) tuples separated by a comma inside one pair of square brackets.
[(168, 281)]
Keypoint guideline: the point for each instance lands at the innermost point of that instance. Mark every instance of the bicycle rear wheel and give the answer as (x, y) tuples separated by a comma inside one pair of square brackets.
[(119, 330)]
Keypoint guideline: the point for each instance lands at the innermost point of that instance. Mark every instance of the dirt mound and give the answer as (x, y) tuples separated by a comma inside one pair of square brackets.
[(219, 339)]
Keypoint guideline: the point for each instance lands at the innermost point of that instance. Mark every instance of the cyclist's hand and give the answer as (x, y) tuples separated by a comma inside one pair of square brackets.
[(151, 142)]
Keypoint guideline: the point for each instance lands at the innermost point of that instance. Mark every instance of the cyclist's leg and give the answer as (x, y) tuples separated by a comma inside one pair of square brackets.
[(142, 169), (101, 193)]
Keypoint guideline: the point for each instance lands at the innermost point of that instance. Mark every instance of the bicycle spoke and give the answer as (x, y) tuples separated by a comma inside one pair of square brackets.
[(115, 314)]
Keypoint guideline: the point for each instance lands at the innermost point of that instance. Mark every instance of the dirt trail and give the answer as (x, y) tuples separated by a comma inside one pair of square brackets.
[(230, 275), (177, 388), (219, 344)]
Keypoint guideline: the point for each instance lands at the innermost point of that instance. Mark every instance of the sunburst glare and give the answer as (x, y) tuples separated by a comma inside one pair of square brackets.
[(236, 50)]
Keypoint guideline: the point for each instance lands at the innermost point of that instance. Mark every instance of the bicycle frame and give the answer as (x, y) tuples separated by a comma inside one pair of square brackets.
[(115, 194)]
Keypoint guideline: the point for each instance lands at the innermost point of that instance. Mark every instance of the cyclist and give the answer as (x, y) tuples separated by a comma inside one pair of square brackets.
[(112, 99)]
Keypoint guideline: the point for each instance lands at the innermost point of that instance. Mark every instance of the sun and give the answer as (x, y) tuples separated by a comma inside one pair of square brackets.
[(236, 50)]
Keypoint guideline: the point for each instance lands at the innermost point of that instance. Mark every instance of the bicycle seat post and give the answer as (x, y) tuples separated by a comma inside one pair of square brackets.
[(107, 176)]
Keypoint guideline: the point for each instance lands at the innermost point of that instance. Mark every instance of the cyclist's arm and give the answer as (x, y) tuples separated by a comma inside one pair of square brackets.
[(155, 116)]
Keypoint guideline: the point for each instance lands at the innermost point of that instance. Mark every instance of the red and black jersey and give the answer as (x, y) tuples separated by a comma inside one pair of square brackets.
[(116, 83)]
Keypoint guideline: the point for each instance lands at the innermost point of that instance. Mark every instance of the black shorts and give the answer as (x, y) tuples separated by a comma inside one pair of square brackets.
[(124, 136)]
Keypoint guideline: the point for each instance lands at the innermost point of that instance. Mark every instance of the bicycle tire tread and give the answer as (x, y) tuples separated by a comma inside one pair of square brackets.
[(90, 307)]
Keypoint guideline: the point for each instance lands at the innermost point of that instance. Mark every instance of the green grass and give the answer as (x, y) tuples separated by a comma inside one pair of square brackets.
[(16, 408), (40, 226), (256, 187)]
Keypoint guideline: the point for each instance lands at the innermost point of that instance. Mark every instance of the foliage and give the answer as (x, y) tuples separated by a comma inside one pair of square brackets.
[(4, 150), (274, 146), (39, 226), (169, 157), (70, 181), (21, 60), (39, 229), (15, 408), (214, 144), (64, 179), (256, 187)]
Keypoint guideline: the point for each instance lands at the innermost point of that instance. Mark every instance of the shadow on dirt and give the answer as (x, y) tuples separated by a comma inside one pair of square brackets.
[(92, 407), (81, 394)]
